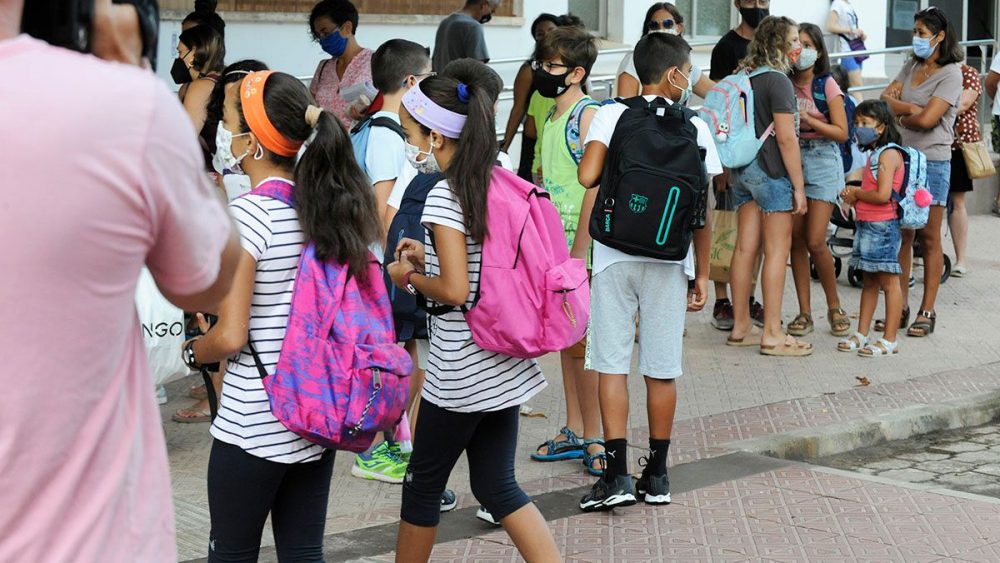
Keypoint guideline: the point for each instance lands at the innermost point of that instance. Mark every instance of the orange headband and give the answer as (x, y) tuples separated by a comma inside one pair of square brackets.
[(253, 109)]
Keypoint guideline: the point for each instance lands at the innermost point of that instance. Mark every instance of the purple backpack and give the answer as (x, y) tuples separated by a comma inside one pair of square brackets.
[(340, 378)]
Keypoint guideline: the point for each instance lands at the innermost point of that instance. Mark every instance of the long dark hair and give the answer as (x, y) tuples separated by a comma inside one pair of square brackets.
[(472, 165), (334, 200), (204, 14), (936, 21), (656, 7), (209, 48), (879, 111), (543, 17), (815, 34), (235, 72)]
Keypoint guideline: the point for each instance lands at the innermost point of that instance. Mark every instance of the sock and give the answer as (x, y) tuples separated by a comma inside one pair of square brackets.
[(617, 460), (658, 457), (723, 300)]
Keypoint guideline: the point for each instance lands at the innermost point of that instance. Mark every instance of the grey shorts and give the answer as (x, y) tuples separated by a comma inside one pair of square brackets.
[(657, 293)]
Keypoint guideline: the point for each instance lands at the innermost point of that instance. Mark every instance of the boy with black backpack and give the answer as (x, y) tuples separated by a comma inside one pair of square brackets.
[(652, 158)]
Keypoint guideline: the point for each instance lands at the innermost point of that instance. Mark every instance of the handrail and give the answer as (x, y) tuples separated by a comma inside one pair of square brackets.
[(904, 49), (612, 51)]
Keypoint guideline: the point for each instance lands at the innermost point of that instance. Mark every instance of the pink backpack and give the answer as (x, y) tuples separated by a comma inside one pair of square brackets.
[(340, 378), (533, 298)]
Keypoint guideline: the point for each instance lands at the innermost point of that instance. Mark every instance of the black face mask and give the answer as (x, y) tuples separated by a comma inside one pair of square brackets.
[(549, 85), (753, 16), (179, 72), (486, 18)]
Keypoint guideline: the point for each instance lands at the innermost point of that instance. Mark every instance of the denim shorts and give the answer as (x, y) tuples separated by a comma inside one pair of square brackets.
[(772, 195), (823, 168), (939, 181), (850, 64), (876, 247)]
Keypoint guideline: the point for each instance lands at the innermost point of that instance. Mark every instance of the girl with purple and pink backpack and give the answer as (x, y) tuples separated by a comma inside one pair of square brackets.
[(481, 220), (308, 287)]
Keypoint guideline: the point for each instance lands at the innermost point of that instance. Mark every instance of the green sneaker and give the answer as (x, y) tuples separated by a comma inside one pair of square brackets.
[(380, 464), (397, 450)]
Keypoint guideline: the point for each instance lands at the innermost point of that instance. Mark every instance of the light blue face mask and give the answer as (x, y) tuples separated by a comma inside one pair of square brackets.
[(922, 48)]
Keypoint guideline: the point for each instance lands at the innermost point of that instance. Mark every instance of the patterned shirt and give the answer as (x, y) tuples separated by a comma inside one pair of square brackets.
[(326, 85), (967, 122)]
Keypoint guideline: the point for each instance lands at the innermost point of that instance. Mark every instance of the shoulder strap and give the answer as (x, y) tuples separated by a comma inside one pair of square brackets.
[(574, 143), (388, 123)]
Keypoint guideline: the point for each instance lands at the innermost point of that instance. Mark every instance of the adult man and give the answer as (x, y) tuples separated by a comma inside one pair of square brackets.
[(460, 35), (105, 177), (726, 55)]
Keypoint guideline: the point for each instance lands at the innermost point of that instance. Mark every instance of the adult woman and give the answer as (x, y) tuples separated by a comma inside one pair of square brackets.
[(843, 21), (523, 89), (769, 191), (966, 131), (200, 60), (661, 17), (333, 24), (204, 14), (823, 125), (257, 467), (924, 98)]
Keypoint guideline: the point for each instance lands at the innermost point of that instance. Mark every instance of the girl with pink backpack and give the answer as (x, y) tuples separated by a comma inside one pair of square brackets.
[(471, 395), (258, 466)]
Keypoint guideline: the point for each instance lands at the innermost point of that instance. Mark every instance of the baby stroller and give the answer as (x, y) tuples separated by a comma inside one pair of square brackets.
[(841, 246)]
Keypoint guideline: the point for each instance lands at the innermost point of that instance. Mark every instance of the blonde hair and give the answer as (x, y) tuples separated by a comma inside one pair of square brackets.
[(769, 46)]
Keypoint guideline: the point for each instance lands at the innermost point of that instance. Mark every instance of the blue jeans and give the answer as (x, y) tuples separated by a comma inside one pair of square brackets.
[(772, 195), (939, 181)]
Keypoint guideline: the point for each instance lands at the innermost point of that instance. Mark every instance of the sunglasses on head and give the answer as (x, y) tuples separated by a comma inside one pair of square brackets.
[(665, 24)]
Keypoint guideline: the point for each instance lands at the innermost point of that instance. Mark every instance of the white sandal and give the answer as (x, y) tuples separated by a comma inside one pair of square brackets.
[(853, 343), (880, 347)]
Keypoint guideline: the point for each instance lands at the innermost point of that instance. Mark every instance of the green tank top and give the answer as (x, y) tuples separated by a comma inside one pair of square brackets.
[(559, 171)]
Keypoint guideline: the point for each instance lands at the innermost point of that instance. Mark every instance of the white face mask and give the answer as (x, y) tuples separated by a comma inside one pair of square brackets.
[(671, 31), (223, 158), (807, 59), (428, 165)]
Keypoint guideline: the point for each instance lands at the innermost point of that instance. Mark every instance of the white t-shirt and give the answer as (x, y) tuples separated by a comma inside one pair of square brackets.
[(461, 376), (846, 17), (995, 67), (627, 66), (270, 232), (601, 130)]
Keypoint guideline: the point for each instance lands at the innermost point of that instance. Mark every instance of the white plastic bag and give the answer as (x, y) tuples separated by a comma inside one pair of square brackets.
[(162, 326)]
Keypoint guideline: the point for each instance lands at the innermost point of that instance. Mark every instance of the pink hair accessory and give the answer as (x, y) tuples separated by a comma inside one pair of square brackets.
[(431, 115)]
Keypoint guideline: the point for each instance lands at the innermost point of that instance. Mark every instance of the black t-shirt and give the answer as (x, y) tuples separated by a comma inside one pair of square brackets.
[(727, 54)]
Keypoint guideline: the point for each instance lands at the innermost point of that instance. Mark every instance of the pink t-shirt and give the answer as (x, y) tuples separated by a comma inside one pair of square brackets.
[(101, 174), (877, 211), (326, 85), (804, 95)]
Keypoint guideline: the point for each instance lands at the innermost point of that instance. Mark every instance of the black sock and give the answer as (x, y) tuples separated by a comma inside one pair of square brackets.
[(617, 460), (658, 457)]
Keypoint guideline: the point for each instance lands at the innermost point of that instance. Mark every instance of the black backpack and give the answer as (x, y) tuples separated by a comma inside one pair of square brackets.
[(654, 186), (409, 318)]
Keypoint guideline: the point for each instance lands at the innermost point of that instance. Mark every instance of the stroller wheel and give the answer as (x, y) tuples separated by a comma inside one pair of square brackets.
[(854, 276), (946, 272), (838, 264)]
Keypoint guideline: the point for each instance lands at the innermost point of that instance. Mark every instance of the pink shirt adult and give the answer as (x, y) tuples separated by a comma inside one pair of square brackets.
[(807, 102), (101, 175), (326, 85)]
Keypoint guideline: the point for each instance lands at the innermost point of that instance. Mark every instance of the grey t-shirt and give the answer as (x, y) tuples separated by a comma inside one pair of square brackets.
[(459, 36), (772, 93), (946, 84)]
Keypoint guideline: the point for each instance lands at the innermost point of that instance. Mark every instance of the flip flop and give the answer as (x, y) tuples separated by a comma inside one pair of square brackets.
[(789, 348), (751, 339), (190, 416)]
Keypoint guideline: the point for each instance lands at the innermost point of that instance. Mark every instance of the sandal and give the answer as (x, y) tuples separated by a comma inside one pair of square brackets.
[(190, 416), (588, 459), (751, 339), (880, 347), (854, 343), (789, 348), (922, 328), (904, 319), (801, 325), (840, 323), (557, 450)]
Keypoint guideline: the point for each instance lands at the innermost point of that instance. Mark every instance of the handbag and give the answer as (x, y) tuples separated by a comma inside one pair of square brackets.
[(978, 161), (162, 326), (856, 45)]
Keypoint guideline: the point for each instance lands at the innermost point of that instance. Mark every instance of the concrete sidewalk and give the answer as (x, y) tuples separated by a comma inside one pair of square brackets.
[(727, 395)]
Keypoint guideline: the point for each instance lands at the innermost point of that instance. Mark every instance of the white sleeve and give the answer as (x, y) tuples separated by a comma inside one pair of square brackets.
[(602, 127), (713, 165), (995, 67), (442, 208), (254, 224), (505, 162), (627, 66), (406, 175)]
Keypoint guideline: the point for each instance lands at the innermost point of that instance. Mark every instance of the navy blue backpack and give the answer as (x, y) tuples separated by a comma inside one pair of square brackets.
[(819, 97), (409, 318)]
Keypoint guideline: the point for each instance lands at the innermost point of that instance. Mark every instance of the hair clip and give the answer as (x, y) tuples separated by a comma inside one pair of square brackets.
[(463, 93)]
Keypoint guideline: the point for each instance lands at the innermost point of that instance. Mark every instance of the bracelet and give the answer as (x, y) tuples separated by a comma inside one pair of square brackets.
[(188, 353)]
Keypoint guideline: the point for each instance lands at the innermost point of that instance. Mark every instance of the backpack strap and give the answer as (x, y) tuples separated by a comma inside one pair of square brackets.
[(769, 132), (390, 124), (819, 94), (574, 143)]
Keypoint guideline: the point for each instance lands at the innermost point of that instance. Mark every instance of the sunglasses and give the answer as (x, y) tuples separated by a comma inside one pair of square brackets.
[(665, 24)]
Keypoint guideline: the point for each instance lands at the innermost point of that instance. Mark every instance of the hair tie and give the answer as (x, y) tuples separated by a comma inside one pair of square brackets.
[(312, 115), (463, 93)]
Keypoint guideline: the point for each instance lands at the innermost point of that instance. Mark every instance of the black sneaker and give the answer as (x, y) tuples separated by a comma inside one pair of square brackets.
[(757, 313), (605, 496), (722, 315), (448, 500), (654, 489)]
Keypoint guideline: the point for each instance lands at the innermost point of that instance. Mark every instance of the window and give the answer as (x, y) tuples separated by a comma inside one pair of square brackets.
[(401, 7), (706, 18), (593, 13)]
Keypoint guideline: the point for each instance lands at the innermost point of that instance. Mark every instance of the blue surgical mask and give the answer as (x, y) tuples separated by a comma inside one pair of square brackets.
[(334, 44), (866, 137), (922, 48)]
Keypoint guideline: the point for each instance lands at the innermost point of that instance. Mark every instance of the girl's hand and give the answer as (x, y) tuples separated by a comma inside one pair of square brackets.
[(800, 205), (398, 271), (413, 250), (849, 195)]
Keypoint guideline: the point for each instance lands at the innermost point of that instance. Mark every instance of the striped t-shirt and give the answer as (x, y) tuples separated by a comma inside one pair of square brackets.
[(270, 232), (461, 376)]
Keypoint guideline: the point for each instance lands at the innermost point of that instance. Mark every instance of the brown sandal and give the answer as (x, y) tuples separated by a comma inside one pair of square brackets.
[(904, 319), (801, 325), (921, 328), (840, 323), (789, 348)]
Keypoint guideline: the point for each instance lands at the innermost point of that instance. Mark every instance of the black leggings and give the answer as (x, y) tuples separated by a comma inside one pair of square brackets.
[(489, 440), (243, 489)]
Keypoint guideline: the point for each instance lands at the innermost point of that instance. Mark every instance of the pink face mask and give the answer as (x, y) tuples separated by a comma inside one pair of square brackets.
[(794, 54)]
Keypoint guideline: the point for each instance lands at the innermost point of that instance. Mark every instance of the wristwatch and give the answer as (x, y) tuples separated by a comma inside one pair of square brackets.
[(406, 283), (188, 355)]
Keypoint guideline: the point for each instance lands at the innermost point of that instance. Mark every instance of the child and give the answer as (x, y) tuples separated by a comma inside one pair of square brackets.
[(877, 240), (623, 284), (396, 67), (464, 407), (566, 56)]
